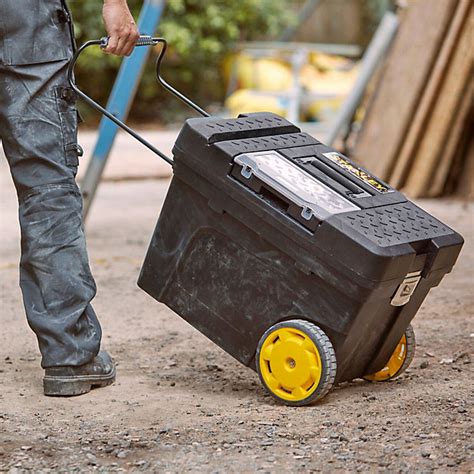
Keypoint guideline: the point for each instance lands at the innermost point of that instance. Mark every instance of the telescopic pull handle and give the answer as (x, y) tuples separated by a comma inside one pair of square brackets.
[(142, 41)]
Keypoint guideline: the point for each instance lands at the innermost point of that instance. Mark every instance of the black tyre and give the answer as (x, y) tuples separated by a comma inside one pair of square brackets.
[(400, 359)]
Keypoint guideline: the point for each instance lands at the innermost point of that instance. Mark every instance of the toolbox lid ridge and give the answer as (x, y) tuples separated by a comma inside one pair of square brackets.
[(214, 130)]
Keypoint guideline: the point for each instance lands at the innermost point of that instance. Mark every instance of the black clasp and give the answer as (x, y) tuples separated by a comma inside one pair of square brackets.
[(67, 94), (63, 16)]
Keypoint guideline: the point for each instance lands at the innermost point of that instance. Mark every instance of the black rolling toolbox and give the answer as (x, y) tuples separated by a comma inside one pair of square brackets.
[(263, 225), (291, 258)]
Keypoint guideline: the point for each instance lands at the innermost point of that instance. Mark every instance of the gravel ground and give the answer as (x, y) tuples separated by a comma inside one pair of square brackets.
[(182, 404)]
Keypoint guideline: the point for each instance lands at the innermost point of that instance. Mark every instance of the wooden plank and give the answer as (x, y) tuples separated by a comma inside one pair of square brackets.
[(461, 167), (456, 136), (403, 79), (416, 128), (465, 185), (436, 132)]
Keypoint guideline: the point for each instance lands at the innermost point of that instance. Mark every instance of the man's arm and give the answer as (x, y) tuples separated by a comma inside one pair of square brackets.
[(120, 27)]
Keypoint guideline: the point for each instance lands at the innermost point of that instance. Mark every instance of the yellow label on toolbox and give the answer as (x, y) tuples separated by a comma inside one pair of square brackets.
[(344, 163)]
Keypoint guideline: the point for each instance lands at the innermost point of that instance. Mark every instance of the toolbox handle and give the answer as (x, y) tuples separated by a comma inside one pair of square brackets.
[(170, 88), (144, 40)]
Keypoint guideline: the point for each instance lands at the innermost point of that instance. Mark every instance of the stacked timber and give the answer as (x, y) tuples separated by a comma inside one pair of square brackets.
[(417, 132)]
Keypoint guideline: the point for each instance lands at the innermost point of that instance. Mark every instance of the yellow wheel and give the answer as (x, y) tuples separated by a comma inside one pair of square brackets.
[(399, 360), (296, 362)]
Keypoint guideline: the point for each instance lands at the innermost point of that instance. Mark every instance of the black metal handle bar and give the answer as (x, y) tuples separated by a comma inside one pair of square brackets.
[(170, 88), (142, 41)]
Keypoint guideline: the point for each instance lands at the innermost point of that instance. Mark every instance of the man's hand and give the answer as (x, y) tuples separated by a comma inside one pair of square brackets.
[(120, 27)]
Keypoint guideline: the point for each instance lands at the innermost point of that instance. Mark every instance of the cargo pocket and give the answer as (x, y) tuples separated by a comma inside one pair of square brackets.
[(68, 116), (35, 32)]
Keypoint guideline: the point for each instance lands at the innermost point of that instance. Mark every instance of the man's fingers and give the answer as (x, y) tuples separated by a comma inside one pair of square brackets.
[(131, 42), (112, 45), (121, 46)]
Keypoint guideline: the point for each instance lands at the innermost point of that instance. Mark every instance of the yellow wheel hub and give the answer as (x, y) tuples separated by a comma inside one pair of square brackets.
[(394, 364), (290, 364)]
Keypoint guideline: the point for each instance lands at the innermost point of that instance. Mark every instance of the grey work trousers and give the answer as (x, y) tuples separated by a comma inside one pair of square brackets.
[(38, 129)]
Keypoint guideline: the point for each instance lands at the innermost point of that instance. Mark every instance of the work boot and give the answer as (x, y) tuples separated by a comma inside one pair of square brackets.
[(68, 381)]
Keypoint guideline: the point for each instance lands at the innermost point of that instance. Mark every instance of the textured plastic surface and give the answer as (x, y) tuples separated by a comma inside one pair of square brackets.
[(235, 147), (232, 254), (257, 125), (400, 224)]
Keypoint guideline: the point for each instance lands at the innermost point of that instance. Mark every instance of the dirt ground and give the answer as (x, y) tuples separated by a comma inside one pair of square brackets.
[(182, 404)]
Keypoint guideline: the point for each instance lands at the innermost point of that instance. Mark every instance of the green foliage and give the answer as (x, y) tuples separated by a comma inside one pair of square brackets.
[(200, 33)]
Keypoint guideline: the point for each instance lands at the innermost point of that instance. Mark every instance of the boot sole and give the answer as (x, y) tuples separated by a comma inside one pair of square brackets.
[(56, 386)]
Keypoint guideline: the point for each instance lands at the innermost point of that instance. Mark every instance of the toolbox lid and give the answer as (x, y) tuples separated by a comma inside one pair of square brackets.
[(311, 195), (318, 198)]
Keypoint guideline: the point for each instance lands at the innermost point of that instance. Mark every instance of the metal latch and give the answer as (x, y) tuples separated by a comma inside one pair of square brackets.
[(406, 288)]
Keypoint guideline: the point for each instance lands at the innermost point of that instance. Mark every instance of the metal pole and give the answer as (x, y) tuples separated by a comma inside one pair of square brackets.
[(376, 50), (298, 60), (120, 101), (303, 15)]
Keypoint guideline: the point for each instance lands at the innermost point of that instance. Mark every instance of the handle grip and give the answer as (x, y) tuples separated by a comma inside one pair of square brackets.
[(143, 40)]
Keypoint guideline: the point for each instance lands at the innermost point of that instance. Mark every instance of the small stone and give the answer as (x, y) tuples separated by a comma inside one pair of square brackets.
[(26, 448), (122, 454), (462, 410), (446, 361), (463, 357), (91, 459)]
